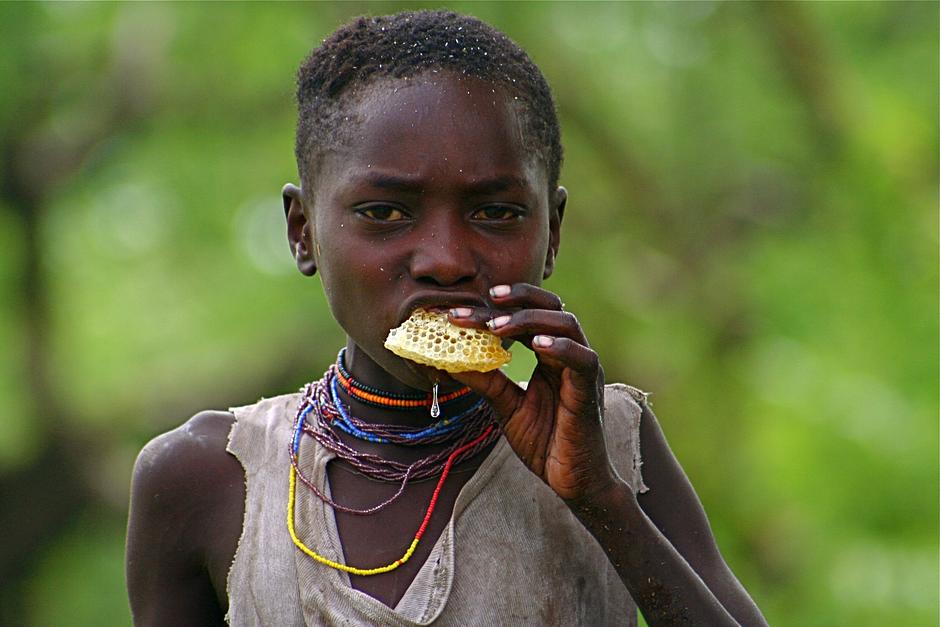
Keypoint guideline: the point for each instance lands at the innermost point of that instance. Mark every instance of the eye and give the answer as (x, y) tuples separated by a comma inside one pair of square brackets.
[(382, 213), (498, 213)]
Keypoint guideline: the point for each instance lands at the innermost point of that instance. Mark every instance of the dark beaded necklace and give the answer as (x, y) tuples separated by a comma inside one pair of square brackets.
[(463, 434), (380, 398)]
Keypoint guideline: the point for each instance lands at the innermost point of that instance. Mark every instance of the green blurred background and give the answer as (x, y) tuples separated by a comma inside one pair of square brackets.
[(752, 235)]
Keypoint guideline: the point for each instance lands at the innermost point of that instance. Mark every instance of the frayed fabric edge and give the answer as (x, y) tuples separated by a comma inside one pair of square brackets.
[(642, 400), (241, 536)]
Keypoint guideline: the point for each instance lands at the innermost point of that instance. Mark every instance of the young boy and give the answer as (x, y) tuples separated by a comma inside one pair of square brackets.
[(429, 153)]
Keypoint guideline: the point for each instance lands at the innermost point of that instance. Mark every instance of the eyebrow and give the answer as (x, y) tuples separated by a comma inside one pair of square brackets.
[(479, 187)]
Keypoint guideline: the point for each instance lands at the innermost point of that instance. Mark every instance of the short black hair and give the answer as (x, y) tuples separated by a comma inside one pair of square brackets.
[(406, 45)]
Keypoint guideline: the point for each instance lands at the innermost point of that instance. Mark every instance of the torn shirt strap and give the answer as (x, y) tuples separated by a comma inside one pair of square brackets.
[(642, 398)]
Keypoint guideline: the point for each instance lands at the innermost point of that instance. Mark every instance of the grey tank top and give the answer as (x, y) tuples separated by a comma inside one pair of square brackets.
[(512, 553)]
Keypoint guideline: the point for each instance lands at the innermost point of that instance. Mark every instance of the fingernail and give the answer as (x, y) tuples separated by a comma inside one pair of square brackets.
[(543, 341), (500, 290), (461, 312), (495, 323)]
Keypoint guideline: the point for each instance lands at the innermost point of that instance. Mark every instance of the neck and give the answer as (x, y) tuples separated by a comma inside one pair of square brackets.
[(365, 370)]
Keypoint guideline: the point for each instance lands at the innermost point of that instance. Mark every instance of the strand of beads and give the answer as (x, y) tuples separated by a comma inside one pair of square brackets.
[(466, 435), (320, 399), (417, 538), (379, 398), (295, 470), (394, 434), (324, 414)]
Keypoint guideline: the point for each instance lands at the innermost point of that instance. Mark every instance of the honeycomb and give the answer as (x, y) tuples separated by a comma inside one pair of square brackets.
[(429, 338)]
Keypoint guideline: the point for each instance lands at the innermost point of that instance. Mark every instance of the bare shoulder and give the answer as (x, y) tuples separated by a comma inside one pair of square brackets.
[(184, 469), (193, 448), (187, 503)]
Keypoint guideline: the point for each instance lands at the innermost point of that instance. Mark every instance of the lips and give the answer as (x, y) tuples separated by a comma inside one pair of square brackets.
[(438, 301)]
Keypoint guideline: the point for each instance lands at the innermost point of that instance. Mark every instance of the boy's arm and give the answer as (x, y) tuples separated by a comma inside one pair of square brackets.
[(674, 507), (661, 543), (182, 528)]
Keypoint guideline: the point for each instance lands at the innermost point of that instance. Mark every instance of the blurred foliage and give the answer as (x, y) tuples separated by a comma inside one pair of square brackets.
[(752, 235)]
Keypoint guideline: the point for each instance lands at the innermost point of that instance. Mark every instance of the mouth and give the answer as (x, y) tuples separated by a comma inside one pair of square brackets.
[(438, 301)]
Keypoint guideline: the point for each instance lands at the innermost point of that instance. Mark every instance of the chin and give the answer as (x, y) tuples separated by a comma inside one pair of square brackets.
[(429, 376)]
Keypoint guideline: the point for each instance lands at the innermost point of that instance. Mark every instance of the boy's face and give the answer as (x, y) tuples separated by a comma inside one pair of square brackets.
[(431, 201)]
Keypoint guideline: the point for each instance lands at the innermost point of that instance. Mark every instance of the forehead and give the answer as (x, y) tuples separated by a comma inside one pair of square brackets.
[(434, 128)]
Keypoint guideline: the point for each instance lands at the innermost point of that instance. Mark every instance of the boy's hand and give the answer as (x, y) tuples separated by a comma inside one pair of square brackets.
[(555, 424)]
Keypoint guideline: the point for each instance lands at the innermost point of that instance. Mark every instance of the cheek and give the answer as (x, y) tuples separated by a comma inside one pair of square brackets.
[(337, 270), (521, 261), (358, 277)]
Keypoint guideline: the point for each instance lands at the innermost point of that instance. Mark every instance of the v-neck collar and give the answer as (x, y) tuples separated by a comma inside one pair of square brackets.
[(427, 593)]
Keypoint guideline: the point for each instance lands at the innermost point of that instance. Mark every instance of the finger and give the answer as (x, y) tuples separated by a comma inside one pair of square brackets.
[(499, 390), (524, 295), (580, 361), (531, 322), (473, 317)]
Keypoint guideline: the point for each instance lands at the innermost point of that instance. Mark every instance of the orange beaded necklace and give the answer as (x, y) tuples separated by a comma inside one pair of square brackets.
[(376, 397)]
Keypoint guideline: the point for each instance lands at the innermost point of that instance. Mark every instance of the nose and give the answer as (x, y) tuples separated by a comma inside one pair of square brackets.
[(442, 255)]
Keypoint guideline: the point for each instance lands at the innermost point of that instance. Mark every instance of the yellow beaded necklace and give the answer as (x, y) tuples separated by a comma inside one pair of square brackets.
[(292, 496)]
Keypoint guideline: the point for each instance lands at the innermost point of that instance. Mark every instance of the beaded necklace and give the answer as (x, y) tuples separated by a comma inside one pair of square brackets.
[(411, 547), (329, 412), (384, 434), (379, 398), (318, 401), (467, 434)]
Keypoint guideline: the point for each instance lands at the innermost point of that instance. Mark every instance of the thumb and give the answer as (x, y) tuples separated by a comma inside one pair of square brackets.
[(499, 390)]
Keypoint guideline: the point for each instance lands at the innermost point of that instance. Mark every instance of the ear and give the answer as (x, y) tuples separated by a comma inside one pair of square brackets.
[(299, 230), (556, 213)]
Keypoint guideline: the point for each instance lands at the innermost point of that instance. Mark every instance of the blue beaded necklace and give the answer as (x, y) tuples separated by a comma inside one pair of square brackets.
[(392, 434)]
